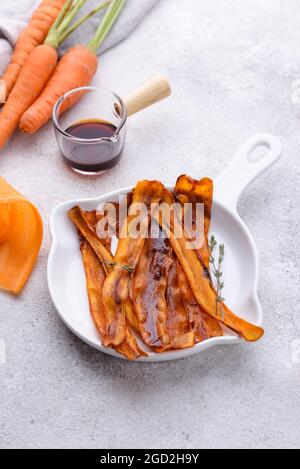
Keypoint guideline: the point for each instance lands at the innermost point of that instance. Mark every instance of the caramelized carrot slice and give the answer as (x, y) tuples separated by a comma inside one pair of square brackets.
[(95, 271), (178, 325), (204, 326), (92, 219), (193, 191), (21, 234), (130, 313), (76, 215), (200, 283), (149, 289), (95, 276), (116, 286)]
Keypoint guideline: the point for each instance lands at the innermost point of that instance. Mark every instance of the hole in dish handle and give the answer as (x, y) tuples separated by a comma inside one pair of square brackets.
[(230, 184)]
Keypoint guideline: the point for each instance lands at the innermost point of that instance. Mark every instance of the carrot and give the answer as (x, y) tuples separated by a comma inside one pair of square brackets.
[(81, 65), (37, 70), (35, 74), (33, 35), (76, 68)]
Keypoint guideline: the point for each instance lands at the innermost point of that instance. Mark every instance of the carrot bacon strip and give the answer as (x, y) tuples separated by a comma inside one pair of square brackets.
[(188, 190), (86, 224), (92, 220), (130, 313), (164, 302), (178, 324), (33, 35), (88, 233), (97, 261), (157, 298), (204, 326), (200, 282), (149, 288), (116, 286), (193, 191), (95, 277)]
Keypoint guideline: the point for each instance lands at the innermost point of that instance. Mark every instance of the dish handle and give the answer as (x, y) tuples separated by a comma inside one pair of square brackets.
[(230, 184)]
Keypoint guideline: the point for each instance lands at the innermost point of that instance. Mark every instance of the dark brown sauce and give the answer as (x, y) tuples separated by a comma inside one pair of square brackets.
[(92, 129), (92, 157)]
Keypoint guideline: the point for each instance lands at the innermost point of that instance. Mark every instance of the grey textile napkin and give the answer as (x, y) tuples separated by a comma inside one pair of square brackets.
[(15, 14)]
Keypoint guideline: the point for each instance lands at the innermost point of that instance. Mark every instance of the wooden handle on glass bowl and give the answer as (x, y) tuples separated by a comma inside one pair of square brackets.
[(153, 90)]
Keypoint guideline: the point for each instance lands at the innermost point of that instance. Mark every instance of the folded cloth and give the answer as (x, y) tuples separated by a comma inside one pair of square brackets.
[(12, 23)]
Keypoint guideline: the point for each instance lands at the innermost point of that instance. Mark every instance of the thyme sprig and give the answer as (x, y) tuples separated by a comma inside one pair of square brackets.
[(123, 266), (216, 269)]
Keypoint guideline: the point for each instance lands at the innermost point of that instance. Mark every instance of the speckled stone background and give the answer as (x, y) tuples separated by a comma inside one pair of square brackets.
[(235, 70)]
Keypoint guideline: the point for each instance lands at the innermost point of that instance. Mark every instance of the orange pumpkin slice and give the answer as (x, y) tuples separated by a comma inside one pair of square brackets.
[(21, 234), (4, 221)]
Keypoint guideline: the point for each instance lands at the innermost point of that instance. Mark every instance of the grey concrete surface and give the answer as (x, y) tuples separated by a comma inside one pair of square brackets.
[(234, 67)]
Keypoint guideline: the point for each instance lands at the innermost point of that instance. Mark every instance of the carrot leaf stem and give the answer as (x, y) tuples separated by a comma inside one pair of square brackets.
[(82, 20), (61, 15), (77, 4), (68, 13), (106, 24)]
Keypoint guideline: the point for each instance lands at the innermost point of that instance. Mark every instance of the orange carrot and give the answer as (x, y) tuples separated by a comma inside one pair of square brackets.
[(76, 68), (37, 70), (33, 35), (35, 73)]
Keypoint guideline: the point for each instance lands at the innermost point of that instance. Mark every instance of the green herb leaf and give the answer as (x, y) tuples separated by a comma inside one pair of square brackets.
[(216, 271), (125, 267)]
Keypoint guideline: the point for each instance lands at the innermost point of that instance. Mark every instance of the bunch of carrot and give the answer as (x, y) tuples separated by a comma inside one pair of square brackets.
[(35, 79), (34, 34)]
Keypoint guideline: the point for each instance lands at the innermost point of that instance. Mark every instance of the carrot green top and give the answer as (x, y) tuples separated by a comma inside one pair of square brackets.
[(106, 24), (61, 28)]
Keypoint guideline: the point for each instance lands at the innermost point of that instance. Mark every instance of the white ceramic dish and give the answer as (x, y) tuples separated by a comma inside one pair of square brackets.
[(66, 278)]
